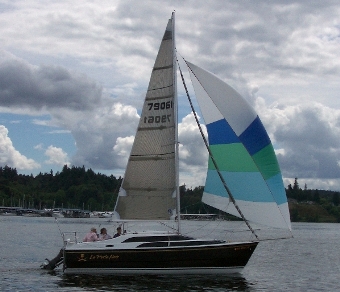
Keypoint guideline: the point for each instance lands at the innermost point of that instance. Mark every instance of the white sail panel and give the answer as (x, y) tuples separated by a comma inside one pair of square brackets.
[(257, 212), (210, 112), (239, 114)]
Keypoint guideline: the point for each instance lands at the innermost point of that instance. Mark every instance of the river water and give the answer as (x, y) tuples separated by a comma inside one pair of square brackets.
[(308, 262)]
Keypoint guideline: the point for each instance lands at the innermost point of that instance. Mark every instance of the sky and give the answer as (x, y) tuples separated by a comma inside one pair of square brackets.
[(73, 76)]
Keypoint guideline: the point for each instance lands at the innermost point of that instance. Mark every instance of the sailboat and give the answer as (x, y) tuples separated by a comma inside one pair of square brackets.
[(243, 178)]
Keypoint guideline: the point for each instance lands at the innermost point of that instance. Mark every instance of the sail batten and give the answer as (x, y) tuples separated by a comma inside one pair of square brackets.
[(159, 97), (163, 67)]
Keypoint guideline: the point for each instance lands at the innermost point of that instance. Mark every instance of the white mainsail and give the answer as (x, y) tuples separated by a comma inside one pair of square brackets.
[(149, 187)]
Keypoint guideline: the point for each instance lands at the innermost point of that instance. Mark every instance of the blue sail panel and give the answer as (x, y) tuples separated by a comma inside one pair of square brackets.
[(221, 133), (255, 137)]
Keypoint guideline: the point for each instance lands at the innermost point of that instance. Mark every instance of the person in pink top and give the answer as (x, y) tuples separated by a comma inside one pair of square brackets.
[(91, 236)]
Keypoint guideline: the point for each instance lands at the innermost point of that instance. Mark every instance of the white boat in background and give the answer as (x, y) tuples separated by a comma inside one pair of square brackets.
[(58, 213), (9, 211), (243, 179), (101, 214), (105, 215)]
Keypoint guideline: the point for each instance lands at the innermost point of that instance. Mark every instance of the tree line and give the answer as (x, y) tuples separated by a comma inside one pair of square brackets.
[(80, 188), (313, 205), (73, 187)]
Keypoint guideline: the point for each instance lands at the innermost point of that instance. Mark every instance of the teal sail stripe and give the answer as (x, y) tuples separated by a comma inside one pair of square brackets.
[(253, 189), (275, 184)]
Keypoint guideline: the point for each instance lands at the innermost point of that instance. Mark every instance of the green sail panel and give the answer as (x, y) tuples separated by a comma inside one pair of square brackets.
[(232, 157), (267, 163)]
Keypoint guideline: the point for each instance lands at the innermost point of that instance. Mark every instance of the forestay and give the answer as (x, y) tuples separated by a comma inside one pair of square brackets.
[(244, 155)]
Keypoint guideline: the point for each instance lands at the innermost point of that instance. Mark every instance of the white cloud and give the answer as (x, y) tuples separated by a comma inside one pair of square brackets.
[(307, 136), (122, 148), (96, 134), (192, 150), (12, 157), (56, 156), (59, 132), (39, 146)]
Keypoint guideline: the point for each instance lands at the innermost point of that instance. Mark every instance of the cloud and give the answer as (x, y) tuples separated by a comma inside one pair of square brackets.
[(122, 148), (24, 85), (39, 146), (193, 156), (192, 150), (96, 134), (10, 156), (75, 103), (56, 156), (307, 136)]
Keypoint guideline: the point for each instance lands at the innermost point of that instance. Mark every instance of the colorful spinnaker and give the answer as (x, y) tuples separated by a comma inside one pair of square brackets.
[(243, 152)]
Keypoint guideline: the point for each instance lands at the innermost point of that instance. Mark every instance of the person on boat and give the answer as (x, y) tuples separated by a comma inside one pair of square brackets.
[(91, 236), (119, 232), (103, 234)]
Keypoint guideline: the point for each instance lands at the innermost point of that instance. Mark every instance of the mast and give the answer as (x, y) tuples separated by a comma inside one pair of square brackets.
[(178, 203)]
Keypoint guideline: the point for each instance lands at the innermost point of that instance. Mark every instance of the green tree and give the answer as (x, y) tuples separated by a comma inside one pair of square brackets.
[(336, 199), (316, 196), (296, 185)]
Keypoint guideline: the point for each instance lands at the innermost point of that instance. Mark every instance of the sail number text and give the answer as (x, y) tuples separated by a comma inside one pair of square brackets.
[(157, 119), (158, 106)]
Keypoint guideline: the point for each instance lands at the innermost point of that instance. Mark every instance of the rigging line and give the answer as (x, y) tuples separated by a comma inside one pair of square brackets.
[(56, 220), (168, 226), (199, 228), (211, 156), (119, 182)]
